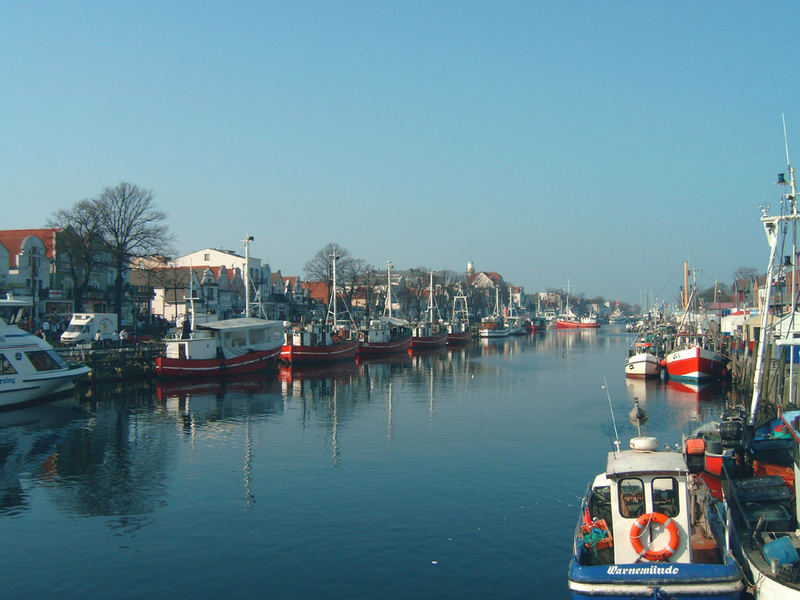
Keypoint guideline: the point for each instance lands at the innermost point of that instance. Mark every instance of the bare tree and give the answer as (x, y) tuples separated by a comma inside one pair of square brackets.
[(131, 226), (745, 273), (319, 267), (81, 240)]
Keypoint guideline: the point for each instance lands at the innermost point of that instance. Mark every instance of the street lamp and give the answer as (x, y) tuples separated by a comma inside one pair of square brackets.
[(34, 262)]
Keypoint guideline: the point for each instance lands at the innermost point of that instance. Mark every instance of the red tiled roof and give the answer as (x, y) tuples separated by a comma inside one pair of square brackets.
[(12, 240), (319, 290)]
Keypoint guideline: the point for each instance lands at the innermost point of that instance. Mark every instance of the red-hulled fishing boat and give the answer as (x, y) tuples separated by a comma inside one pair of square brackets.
[(228, 347), (321, 342)]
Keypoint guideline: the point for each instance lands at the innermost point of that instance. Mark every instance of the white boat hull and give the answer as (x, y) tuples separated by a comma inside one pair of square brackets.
[(23, 389), (642, 366)]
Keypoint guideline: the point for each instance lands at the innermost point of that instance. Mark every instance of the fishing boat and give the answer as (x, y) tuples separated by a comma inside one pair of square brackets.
[(321, 342), (695, 360), (458, 331), (383, 336), (648, 528), (317, 342), (494, 326), (226, 347), (642, 363), (31, 370), (513, 321), (764, 505), (386, 335), (429, 333)]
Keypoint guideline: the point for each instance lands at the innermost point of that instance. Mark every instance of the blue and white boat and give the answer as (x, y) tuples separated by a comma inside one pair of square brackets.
[(649, 528)]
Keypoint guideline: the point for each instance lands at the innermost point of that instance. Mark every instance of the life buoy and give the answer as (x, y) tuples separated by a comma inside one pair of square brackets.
[(640, 526), (360, 336)]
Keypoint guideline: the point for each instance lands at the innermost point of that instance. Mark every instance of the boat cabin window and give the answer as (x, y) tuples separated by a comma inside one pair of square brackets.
[(258, 336), (6, 368), (600, 503), (665, 496), (236, 339), (631, 498), (46, 360)]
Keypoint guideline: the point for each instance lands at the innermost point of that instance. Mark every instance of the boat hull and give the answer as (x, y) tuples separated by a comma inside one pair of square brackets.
[(319, 354), (493, 333), (639, 580), (216, 367), (384, 348), (456, 339), (433, 341), (30, 388), (694, 364), (576, 325), (642, 366)]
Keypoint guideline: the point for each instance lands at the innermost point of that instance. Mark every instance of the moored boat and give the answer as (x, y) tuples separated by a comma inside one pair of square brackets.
[(227, 347), (693, 361), (321, 342), (31, 370), (494, 326), (642, 365), (317, 342), (430, 333), (458, 331), (383, 336), (648, 528)]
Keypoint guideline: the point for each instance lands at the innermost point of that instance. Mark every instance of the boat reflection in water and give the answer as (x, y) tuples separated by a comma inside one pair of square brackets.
[(29, 440)]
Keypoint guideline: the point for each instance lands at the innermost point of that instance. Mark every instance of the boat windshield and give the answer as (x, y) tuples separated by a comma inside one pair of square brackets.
[(665, 496), (631, 498), (46, 360)]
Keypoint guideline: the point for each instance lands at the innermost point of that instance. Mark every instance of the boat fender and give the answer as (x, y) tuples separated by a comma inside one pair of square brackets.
[(695, 446), (638, 529)]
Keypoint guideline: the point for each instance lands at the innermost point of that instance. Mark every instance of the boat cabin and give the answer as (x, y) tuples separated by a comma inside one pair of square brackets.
[(227, 339), (636, 484), (315, 334)]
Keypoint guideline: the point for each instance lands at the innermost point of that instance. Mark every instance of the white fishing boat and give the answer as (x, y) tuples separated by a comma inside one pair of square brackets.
[(764, 507), (494, 325), (648, 528), (31, 370)]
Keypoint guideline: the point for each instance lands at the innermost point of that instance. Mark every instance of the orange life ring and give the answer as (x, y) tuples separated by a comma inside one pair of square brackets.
[(638, 529)]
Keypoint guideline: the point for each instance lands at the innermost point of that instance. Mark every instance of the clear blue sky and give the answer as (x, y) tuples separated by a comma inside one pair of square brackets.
[(600, 143)]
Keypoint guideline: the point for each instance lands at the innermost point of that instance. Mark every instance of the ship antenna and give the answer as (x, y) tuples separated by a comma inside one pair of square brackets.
[(785, 139), (613, 420)]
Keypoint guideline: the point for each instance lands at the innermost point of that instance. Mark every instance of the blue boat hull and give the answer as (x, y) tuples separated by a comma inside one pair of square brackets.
[(642, 580)]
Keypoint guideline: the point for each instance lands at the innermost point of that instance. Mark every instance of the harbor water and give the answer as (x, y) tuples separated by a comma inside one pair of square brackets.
[(454, 474)]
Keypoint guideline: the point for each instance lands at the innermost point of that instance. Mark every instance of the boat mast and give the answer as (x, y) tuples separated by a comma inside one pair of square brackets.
[(247, 240), (388, 309), (772, 226), (333, 300), (794, 255), (430, 300)]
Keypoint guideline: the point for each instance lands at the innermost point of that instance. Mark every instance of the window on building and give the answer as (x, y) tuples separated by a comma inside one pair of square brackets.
[(631, 498), (206, 257)]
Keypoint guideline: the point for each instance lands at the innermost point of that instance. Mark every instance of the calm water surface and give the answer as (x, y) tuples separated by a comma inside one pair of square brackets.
[(449, 475)]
